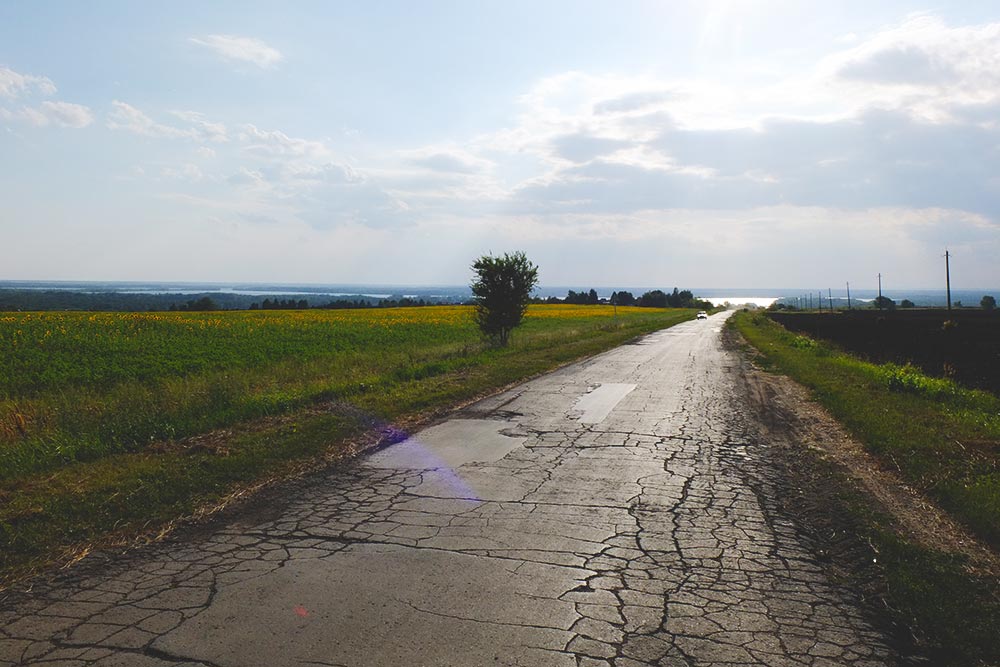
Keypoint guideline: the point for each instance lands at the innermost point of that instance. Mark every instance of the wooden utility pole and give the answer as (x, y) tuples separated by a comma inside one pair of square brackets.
[(880, 291), (848, 295), (947, 276), (829, 298)]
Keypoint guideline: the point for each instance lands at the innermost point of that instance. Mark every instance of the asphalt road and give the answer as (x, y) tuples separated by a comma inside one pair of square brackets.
[(599, 515)]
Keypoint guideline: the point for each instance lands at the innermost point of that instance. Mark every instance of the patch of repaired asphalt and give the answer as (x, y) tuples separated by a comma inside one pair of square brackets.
[(595, 406), (639, 540), (451, 444)]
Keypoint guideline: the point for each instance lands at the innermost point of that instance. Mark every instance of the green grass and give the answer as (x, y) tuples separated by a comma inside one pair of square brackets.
[(94, 406), (956, 614), (944, 440)]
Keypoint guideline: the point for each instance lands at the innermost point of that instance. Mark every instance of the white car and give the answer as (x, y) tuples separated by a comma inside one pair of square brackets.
[(702, 315)]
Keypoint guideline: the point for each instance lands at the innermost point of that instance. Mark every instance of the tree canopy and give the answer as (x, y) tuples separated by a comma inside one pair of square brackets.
[(884, 303), (501, 291)]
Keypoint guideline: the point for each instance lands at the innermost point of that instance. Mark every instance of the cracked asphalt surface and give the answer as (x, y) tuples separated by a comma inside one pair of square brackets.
[(611, 513)]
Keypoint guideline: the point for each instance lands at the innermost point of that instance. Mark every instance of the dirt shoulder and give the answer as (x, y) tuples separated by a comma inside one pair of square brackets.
[(796, 421)]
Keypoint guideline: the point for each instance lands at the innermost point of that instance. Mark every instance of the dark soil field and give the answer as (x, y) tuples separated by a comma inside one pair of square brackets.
[(963, 346)]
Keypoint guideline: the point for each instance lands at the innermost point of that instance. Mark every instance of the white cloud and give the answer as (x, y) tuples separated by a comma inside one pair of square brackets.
[(62, 114), (637, 101), (22, 87), (323, 195), (600, 156), (67, 114), (276, 143), (126, 117), (884, 149), (270, 174), (207, 130), (922, 64), (447, 159), (907, 117), (14, 85), (905, 64), (25, 114), (247, 177), (325, 173), (244, 49), (583, 147), (185, 172)]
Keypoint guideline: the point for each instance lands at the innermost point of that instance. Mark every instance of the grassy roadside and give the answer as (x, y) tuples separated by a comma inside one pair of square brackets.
[(945, 441), (50, 510)]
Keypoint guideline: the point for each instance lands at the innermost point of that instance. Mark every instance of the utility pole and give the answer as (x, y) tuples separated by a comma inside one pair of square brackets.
[(819, 300), (848, 295), (947, 276), (829, 294), (880, 291)]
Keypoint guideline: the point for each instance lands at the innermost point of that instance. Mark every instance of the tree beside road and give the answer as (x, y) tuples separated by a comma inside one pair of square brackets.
[(501, 291)]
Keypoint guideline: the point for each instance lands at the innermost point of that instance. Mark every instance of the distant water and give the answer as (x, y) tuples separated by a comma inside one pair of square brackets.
[(759, 301), (736, 296)]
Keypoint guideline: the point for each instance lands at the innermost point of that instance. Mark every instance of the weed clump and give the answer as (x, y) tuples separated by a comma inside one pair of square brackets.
[(802, 343), (908, 379)]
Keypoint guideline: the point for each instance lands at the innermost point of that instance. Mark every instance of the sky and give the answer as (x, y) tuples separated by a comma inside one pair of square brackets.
[(709, 143)]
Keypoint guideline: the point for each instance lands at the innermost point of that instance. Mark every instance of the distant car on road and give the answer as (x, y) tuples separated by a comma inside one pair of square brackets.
[(702, 315)]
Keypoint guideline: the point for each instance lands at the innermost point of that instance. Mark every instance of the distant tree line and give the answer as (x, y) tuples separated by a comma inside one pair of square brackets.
[(404, 302), (41, 300), (303, 304), (652, 299), (205, 303), (280, 304), (676, 299), (582, 298), (33, 299)]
